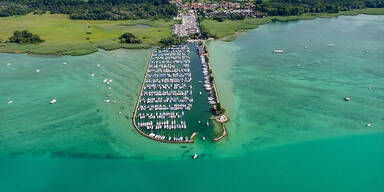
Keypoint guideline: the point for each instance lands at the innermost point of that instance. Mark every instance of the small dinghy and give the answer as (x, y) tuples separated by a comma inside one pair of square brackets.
[(53, 101)]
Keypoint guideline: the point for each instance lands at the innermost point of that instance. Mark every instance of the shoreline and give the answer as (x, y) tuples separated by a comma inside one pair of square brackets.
[(230, 33), (243, 26), (55, 54)]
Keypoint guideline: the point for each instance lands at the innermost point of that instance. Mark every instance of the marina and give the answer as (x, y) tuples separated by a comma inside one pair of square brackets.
[(177, 98)]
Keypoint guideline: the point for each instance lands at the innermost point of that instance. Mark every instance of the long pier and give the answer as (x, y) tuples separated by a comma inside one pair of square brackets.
[(222, 123)]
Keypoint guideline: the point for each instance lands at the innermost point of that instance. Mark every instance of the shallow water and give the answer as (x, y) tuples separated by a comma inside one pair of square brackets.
[(278, 104), (299, 95)]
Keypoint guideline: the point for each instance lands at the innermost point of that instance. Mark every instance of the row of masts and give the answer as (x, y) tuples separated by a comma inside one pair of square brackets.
[(167, 92)]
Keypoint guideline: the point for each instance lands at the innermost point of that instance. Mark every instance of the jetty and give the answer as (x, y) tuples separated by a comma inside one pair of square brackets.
[(219, 117)]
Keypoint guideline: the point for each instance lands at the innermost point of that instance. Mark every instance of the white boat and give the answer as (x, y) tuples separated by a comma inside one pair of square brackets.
[(37, 70), (10, 101), (107, 100), (98, 65), (9, 64), (200, 92), (207, 124), (212, 102), (195, 156), (53, 101), (64, 63), (331, 45), (92, 74), (278, 51)]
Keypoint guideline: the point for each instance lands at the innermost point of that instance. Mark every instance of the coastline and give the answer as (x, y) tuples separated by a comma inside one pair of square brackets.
[(64, 36), (76, 52), (229, 30)]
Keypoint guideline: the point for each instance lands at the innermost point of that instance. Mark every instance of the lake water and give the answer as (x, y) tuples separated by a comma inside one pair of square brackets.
[(290, 128)]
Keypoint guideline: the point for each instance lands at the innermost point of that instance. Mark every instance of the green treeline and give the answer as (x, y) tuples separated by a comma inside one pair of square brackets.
[(25, 37), (297, 7), (129, 38), (92, 9), (173, 40)]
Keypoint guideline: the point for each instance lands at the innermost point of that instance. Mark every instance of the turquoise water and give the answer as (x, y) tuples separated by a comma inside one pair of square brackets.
[(290, 129), (348, 164)]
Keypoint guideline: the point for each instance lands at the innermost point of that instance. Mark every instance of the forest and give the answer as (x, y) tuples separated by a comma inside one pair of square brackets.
[(92, 9), (25, 37), (297, 7)]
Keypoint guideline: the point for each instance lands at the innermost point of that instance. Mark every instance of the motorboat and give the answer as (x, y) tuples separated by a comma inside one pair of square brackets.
[(195, 156), (37, 70), (278, 51), (10, 101), (212, 102), (53, 101)]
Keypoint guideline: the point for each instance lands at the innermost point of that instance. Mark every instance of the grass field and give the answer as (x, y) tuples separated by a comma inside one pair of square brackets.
[(229, 29), (65, 36)]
